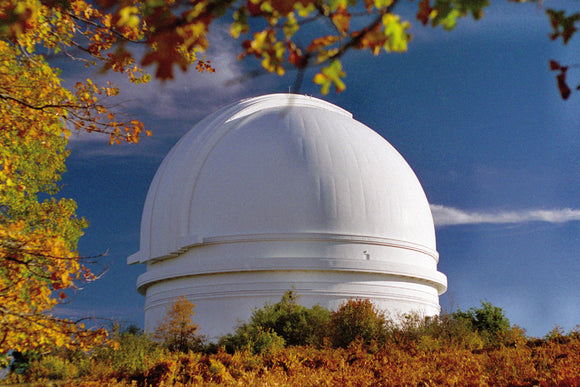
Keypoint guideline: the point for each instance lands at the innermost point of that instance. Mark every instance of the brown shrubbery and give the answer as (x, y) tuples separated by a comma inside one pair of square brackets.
[(360, 347)]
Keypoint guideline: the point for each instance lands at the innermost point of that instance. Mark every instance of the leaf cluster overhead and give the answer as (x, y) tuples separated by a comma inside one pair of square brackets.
[(129, 35), (282, 34)]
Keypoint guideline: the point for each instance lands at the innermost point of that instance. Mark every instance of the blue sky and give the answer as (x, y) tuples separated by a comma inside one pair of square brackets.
[(475, 112)]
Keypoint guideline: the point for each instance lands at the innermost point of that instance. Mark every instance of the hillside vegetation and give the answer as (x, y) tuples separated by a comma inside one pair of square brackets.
[(288, 344)]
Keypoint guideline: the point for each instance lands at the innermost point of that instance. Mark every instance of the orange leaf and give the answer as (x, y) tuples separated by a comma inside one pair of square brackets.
[(341, 19), (321, 42)]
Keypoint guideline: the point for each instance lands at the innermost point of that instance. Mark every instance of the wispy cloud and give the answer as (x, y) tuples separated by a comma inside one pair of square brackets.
[(179, 102), (449, 216), (190, 94), (98, 315)]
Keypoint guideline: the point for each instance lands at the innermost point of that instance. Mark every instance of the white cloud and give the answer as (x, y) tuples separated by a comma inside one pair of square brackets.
[(190, 94), (97, 315), (448, 216)]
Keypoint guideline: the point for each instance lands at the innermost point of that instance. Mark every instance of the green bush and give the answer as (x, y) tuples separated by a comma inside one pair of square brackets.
[(489, 321), (255, 339), (448, 331), (357, 319), (133, 352), (296, 324), (280, 324), (52, 367)]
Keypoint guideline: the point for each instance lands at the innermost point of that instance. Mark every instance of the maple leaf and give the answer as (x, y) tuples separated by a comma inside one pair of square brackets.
[(424, 12), (165, 55), (331, 76), (563, 26)]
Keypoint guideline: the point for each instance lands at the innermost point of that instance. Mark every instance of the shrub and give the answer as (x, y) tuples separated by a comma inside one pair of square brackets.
[(296, 324), (252, 338), (356, 319), (133, 352), (489, 321), (21, 361), (52, 367), (278, 325), (410, 329), (446, 331)]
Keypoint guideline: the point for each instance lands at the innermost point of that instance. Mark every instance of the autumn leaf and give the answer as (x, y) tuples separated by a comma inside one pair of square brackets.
[(321, 42), (424, 12), (563, 26), (296, 57), (341, 19), (447, 12), (165, 55), (290, 26), (128, 16), (38, 237), (562, 85)]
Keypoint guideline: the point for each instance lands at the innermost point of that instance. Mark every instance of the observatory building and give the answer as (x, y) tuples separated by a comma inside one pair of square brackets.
[(284, 192)]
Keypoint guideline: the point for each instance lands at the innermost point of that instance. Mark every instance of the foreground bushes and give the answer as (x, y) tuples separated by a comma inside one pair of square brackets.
[(287, 323), (549, 363), (288, 344)]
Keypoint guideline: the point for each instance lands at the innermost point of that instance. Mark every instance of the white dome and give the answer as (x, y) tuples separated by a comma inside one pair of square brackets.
[(285, 183)]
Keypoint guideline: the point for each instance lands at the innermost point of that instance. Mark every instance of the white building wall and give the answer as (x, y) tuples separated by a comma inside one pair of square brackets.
[(225, 300)]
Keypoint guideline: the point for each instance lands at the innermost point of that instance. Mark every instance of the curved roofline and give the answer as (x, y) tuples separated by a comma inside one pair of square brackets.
[(169, 202), (251, 105)]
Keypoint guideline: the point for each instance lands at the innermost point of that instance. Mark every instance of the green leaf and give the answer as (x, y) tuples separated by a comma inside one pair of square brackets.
[(331, 76), (563, 26), (290, 26), (446, 12), (396, 32)]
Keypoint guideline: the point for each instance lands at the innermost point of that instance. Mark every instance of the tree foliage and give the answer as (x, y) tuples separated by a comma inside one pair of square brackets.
[(177, 330), (131, 351), (127, 35), (38, 233), (38, 238), (296, 324)]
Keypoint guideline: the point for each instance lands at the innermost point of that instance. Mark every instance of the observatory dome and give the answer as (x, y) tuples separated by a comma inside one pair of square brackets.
[(285, 192)]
